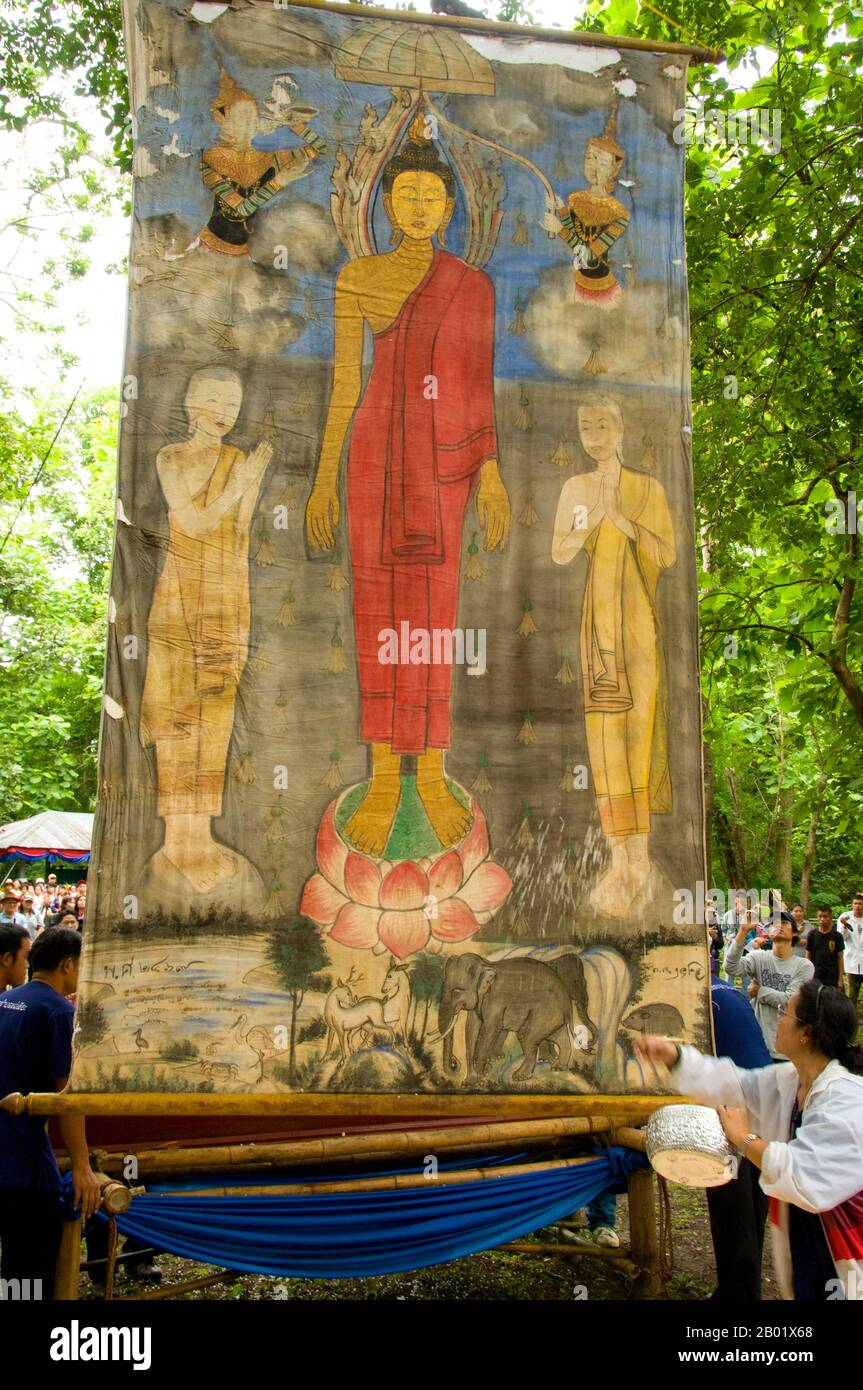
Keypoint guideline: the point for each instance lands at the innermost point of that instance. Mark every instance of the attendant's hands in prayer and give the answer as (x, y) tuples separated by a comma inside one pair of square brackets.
[(610, 497), (735, 1122), (492, 506), (322, 515), (255, 464)]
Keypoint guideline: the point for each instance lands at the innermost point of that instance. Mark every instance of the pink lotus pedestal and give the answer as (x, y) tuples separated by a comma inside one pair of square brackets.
[(403, 903)]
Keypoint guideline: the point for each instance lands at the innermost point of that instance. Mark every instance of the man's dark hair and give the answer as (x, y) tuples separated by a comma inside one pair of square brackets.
[(11, 938), (828, 910), (54, 945), (857, 897), (832, 1020)]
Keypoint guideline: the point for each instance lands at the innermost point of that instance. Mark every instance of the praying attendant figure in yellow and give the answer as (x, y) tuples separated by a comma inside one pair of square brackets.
[(198, 627), (620, 518)]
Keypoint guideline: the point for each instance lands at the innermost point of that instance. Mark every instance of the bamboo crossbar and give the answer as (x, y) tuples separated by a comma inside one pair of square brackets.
[(355, 1149), (620, 1110), (696, 52), (394, 1182)]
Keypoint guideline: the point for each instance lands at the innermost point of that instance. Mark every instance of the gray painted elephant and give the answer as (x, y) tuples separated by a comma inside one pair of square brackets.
[(521, 996), (571, 970)]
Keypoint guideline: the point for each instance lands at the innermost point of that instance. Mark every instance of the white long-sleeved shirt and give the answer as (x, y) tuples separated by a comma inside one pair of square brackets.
[(851, 928), (819, 1170)]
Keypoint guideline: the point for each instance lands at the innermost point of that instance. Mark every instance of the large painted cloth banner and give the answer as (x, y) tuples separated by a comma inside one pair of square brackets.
[(400, 773)]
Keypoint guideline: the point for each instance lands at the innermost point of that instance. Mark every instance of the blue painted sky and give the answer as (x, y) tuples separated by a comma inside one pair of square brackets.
[(653, 239)]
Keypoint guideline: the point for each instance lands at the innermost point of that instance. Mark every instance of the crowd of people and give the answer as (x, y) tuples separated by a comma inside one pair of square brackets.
[(770, 954), (43, 902)]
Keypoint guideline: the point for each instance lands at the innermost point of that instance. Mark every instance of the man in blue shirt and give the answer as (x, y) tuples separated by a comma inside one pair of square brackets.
[(738, 1210), (36, 1025)]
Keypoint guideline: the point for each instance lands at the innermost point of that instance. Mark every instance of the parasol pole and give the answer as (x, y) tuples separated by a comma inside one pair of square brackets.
[(501, 149)]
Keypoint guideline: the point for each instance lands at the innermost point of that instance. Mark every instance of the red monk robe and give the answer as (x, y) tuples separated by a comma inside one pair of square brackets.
[(422, 431)]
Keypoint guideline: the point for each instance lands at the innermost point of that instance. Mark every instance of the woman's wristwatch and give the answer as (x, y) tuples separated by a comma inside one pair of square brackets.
[(745, 1145)]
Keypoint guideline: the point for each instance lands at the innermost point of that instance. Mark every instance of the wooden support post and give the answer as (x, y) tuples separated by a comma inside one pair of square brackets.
[(68, 1270), (643, 1233)]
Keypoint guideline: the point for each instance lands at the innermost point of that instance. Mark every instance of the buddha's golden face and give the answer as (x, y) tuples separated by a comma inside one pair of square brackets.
[(418, 204)]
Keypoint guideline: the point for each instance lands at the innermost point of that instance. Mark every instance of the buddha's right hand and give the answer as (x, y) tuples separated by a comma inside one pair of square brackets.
[(322, 515)]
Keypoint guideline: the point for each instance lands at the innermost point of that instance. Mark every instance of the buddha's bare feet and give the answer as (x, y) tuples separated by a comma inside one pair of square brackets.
[(630, 866), (370, 825), (449, 820)]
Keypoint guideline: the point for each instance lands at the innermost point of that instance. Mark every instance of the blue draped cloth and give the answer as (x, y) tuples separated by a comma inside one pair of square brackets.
[(341, 1235)]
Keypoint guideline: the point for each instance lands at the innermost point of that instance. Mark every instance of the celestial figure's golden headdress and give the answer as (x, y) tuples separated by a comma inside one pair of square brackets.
[(228, 95), (606, 141)]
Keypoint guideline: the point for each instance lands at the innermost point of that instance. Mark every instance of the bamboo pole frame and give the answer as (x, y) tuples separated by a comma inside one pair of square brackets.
[(695, 52), (643, 1233), (355, 1149), (392, 1182), (619, 1110)]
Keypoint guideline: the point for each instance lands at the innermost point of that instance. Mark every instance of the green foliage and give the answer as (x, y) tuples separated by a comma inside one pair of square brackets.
[(427, 978), (199, 923), (313, 1030), (775, 275), (182, 1051), (47, 48), (92, 1023), (55, 539), (296, 953)]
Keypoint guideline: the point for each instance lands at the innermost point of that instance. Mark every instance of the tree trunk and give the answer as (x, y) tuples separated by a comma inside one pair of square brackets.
[(425, 1020), (292, 1058), (708, 812), (737, 839), (784, 830), (811, 835)]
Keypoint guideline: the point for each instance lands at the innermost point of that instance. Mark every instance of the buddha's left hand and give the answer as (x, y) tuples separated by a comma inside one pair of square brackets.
[(492, 506)]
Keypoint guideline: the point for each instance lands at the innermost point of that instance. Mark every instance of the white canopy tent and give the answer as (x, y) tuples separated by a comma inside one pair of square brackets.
[(55, 836)]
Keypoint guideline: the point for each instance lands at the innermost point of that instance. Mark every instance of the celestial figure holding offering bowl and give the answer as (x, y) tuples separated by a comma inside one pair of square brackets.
[(620, 518), (198, 627), (241, 178), (593, 219), (423, 439)]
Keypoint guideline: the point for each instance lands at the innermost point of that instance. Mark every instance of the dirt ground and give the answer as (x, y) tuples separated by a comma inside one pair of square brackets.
[(493, 1275)]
